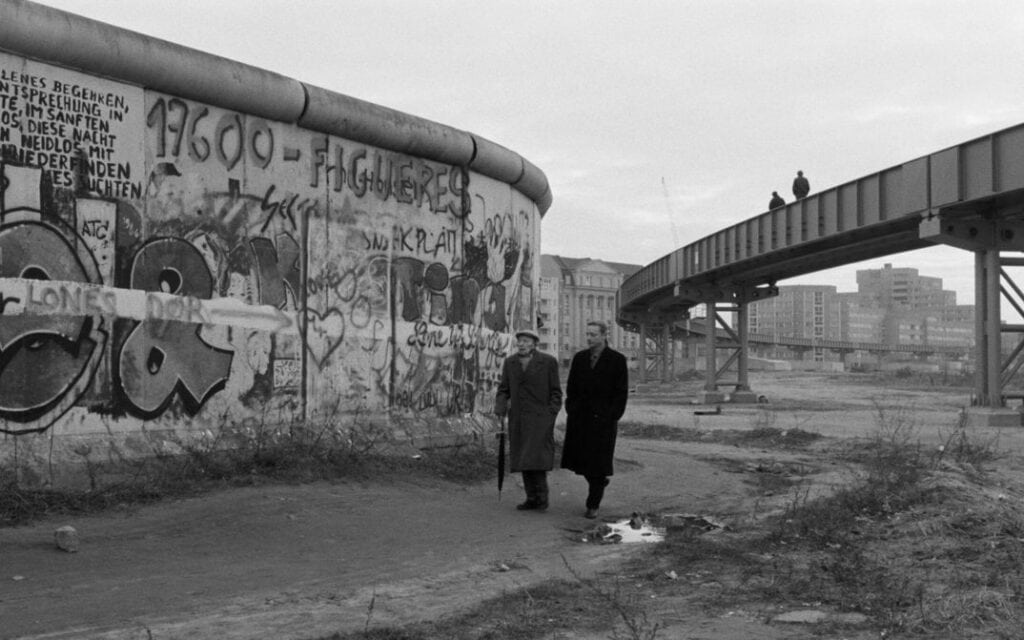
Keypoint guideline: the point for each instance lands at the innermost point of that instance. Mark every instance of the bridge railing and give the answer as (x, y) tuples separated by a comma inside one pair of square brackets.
[(982, 168)]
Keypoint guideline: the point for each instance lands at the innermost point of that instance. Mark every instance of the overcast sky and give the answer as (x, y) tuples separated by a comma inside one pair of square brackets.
[(723, 100)]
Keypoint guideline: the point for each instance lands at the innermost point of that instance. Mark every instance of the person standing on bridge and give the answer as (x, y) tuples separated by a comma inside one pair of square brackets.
[(530, 394), (801, 186), (776, 201), (595, 399)]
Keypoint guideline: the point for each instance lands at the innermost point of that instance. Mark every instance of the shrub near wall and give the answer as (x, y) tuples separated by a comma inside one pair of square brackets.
[(171, 269)]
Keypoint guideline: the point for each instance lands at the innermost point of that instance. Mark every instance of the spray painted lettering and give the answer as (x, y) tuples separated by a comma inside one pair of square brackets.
[(190, 265)]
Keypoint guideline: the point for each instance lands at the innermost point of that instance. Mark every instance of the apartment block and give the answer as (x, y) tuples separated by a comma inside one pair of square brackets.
[(892, 306)]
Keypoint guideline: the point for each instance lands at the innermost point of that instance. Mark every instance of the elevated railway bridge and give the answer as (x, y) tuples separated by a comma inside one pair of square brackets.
[(726, 338), (969, 196)]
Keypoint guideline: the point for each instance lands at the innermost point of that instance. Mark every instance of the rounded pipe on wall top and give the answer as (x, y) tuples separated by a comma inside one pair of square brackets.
[(74, 41), (533, 182), (501, 163), (544, 201), (362, 121), (496, 161)]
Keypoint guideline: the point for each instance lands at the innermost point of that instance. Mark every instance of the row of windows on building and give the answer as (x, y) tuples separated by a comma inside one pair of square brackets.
[(891, 306)]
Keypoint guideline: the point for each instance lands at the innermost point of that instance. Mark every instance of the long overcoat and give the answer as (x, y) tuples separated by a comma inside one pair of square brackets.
[(532, 399), (595, 399)]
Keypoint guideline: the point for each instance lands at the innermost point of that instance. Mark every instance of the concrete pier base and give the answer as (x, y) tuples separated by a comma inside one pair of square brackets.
[(743, 397), (710, 397), (993, 417)]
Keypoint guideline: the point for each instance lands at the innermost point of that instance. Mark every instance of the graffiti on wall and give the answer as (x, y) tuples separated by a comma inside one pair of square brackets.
[(71, 126), (453, 316), (46, 364), (69, 161), (165, 259)]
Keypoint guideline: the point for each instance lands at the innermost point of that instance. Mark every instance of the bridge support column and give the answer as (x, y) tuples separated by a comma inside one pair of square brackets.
[(740, 335), (710, 393), (666, 351), (743, 392), (642, 360), (989, 396), (665, 317), (987, 334), (987, 236)]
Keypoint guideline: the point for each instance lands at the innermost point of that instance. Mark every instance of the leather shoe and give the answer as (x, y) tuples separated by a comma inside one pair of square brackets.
[(590, 514), (529, 505)]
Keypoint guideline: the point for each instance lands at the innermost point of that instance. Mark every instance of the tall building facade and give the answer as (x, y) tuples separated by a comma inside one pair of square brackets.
[(905, 287), (918, 310), (891, 307), (801, 311), (862, 319), (575, 291)]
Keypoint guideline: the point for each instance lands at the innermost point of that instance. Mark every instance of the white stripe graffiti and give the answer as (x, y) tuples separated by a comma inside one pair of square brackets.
[(20, 296)]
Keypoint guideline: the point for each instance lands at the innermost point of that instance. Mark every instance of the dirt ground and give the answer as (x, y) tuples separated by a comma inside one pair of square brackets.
[(305, 561)]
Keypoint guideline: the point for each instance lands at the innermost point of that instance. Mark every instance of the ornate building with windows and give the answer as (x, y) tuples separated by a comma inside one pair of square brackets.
[(575, 291)]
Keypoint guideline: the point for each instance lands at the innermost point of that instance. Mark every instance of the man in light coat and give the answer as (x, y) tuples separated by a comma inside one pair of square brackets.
[(595, 399), (530, 393)]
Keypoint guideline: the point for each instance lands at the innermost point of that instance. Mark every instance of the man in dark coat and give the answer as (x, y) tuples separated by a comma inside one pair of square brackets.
[(531, 394), (776, 201), (801, 186), (595, 399)]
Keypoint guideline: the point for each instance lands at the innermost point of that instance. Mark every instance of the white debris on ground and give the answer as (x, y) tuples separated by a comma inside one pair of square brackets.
[(642, 528), (636, 528)]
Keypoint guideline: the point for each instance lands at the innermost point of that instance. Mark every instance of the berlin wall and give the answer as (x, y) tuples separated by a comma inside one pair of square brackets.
[(191, 248)]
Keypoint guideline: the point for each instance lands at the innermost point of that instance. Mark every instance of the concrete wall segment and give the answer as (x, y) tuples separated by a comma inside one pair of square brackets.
[(37, 31), (70, 40), (178, 272)]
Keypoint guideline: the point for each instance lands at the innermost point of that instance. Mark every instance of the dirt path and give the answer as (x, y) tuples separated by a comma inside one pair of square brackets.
[(297, 561), (306, 561)]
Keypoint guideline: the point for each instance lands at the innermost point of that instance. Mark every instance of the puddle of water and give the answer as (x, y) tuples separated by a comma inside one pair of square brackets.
[(626, 531), (645, 533), (643, 528)]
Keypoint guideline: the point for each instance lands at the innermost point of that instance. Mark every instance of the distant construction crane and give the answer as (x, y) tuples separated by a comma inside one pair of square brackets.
[(670, 213)]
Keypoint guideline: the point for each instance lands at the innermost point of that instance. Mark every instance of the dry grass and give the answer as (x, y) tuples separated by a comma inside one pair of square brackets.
[(204, 466), (766, 437), (920, 542)]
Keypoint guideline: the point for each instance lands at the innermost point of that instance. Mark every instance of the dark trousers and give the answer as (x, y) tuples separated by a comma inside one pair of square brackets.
[(595, 493), (536, 485)]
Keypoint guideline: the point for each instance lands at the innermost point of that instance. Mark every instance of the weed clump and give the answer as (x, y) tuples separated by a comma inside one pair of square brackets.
[(760, 436), (915, 540)]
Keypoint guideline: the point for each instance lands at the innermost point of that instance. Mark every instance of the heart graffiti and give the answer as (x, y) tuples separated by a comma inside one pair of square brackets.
[(324, 334)]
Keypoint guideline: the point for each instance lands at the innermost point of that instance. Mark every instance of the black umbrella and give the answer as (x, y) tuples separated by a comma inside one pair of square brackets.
[(501, 457)]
